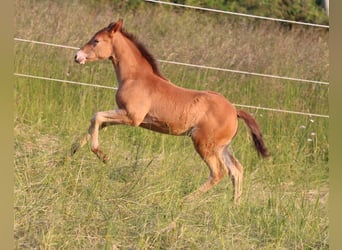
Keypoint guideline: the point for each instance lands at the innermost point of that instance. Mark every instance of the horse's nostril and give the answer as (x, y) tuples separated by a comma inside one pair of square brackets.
[(80, 57)]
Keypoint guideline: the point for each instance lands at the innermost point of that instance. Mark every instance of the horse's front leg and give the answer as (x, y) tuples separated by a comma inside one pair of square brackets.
[(99, 121)]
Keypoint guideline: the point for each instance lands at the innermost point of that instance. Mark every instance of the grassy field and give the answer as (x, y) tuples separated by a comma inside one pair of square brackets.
[(136, 200)]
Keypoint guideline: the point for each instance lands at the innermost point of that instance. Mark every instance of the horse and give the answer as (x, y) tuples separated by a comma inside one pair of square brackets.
[(145, 98)]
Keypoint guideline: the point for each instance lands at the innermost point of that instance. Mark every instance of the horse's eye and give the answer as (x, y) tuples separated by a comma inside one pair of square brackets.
[(95, 42)]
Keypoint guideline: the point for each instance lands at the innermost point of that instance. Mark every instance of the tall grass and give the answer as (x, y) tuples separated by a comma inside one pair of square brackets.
[(136, 200)]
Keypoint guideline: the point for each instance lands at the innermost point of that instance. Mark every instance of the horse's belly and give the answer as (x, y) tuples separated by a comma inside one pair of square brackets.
[(164, 127)]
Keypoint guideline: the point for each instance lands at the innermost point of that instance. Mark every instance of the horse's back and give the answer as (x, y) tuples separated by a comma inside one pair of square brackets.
[(196, 105)]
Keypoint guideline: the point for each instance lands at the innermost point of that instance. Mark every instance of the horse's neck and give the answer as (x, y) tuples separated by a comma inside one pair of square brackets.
[(128, 61)]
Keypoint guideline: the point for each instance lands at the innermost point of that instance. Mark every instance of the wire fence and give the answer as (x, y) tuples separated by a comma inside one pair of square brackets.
[(65, 81), (115, 88), (238, 14), (193, 65)]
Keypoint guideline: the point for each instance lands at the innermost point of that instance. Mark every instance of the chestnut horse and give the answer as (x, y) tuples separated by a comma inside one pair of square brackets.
[(147, 99)]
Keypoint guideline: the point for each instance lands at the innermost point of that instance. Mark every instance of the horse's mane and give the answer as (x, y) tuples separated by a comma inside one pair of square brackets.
[(144, 52)]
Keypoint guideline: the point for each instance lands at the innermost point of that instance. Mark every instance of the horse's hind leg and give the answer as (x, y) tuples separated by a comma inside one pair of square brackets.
[(235, 171), (216, 174), (211, 155)]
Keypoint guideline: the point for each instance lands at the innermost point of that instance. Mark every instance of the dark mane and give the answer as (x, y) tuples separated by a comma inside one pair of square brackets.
[(144, 52)]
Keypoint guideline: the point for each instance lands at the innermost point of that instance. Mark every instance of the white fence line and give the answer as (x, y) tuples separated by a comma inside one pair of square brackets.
[(115, 88), (283, 111), (45, 43), (65, 81), (245, 72), (238, 14), (193, 65)]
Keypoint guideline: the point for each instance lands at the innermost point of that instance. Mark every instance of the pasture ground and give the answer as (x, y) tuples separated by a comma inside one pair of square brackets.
[(136, 200)]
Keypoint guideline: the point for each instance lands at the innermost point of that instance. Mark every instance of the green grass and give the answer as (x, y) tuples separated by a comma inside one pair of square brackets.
[(136, 200)]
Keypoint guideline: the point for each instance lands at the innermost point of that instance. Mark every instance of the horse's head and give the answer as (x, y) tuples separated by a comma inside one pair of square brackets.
[(100, 45)]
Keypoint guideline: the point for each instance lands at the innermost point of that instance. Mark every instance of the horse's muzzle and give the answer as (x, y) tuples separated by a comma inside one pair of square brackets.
[(80, 57)]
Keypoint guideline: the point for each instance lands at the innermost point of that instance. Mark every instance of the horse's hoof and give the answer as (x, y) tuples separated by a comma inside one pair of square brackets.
[(105, 159), (74, 148)]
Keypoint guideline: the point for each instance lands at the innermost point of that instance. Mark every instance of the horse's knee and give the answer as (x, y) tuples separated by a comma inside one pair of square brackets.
[(96, 118)]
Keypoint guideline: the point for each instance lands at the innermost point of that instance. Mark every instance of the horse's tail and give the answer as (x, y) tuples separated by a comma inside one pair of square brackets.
[(255, 132)]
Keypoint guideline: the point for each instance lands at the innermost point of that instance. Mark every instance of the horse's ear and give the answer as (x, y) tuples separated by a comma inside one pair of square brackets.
[(114, 27)]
